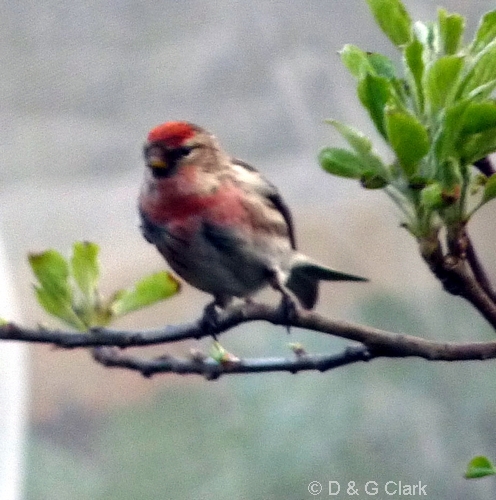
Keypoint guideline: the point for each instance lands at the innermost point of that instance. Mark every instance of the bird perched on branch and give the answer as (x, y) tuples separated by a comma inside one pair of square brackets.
[(219, 223)]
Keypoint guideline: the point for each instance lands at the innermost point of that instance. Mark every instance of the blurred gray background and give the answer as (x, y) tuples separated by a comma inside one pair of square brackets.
[(82, 83)]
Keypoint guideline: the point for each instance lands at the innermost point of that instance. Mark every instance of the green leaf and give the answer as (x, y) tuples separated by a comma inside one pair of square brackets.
[(476, 146), (431, 196), (52, 272), (370, 180), (413, 56), (451, 28), (428, 36), (148, 291), (359, 63), (372, 164), (85, 270), (489, 190), (54, 293), (472, 132), (59, 307), (356, 60), (486, 32), (441, 81), (217, 352), (479, 467), (449, 131), (382, 65), (449, 176), (374, 93), (481, 70), (408, 138), (341, 162), (358, 141), (393, 19), (478, 117), (221, 355)]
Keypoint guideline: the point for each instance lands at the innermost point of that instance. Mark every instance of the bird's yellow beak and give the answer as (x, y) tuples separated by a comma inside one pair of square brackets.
[(156, 162)]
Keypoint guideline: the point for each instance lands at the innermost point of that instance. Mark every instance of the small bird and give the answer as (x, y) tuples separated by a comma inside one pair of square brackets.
[(219, 223)]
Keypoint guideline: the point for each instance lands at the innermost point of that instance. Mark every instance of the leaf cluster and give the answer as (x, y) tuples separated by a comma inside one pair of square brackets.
[(437, 113), (68, 288)]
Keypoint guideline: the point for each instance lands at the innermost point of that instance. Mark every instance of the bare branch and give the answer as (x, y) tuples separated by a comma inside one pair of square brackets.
[(374, 343), (485, 166), (211, 369), (468, 287), (478, 270), (455, 273)]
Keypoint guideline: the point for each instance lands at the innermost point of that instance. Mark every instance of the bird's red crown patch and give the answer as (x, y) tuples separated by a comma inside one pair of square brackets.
[(174, 134)]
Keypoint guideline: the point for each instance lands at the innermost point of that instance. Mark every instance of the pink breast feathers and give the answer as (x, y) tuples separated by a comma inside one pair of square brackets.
[(170, 204)]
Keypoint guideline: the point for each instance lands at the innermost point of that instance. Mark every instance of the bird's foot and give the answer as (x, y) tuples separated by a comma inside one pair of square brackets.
[(288, 305), (209, 322), (288, 310)]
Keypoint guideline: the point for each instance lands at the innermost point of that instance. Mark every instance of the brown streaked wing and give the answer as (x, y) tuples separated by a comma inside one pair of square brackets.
[(271, 193)]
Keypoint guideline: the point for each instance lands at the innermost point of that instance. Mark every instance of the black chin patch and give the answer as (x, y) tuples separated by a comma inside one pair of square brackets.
[(160, 173)]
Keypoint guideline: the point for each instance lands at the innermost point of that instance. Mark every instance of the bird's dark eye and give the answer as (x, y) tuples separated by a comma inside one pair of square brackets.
[(178, 153), (184, 151)]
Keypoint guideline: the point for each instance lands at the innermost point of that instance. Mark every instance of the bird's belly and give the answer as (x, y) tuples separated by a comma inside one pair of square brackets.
[(225, 268)]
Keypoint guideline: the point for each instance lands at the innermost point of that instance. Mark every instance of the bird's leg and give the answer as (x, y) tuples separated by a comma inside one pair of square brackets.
[(288, 310), (288, 304), (210, 319)]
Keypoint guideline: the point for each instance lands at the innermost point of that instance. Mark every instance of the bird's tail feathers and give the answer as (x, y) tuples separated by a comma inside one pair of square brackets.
[(303, 265), (305, 276), (305, 288)]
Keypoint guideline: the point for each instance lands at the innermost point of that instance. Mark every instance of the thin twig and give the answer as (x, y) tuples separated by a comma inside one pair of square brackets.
[(485, 166), (211, 369), (478, 270)]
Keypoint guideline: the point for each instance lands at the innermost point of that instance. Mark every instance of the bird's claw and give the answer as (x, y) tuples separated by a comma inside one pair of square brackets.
[(210, 319), (288, 310)]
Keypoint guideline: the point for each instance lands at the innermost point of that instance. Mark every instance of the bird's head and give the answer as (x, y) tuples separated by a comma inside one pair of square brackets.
[(173, 143)]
